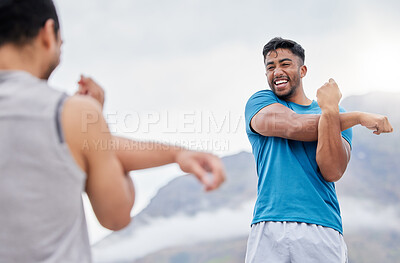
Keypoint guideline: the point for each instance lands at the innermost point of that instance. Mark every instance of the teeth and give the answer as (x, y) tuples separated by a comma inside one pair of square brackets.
[(280, 82)]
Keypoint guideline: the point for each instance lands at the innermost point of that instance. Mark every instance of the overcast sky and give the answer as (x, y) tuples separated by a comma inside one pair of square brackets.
[(184, 69), (181, 71)]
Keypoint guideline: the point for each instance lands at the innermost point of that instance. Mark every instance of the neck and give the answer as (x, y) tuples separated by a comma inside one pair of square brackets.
[(299, 97), (20, 58)]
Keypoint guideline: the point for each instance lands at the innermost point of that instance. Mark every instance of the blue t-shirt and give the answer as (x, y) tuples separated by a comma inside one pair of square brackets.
[(290, 185)]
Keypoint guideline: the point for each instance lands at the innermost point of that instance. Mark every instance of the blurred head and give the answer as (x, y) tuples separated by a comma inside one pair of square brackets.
[(284, 61), (23, 21)]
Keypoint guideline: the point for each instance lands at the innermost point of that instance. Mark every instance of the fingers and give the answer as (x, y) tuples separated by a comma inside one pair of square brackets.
[(213, 165), (389, 127), (218, 172), (384, 126), (87, 86), (200, 165), (329, 95), (83, 88), (201, 175)]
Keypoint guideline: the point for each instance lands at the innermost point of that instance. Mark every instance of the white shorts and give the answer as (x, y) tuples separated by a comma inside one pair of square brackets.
[(293, 242)]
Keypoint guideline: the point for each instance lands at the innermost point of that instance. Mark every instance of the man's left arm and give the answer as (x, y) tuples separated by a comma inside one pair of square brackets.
[(333, 151)]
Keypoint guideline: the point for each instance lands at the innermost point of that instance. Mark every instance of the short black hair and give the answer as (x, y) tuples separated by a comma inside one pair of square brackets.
[(278, 42), (21, 20)]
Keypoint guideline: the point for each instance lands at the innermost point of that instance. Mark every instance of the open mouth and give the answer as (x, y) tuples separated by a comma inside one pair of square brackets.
[(280, 82)]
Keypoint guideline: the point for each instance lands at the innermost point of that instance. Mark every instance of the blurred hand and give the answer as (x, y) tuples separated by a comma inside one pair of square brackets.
[(376, 122), (199, 164), (329, 95), (88, 86)]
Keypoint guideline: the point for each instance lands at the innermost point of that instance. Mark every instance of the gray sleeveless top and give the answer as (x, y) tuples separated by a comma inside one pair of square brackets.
[(41, 210)]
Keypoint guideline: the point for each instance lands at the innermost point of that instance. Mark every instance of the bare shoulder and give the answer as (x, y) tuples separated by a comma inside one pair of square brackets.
[(81, 115), (80, 111), (78, 103)]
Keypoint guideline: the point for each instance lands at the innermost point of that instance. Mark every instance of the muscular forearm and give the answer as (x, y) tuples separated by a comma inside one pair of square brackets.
[(303, 127), (332, 155), (135, 155), (299, 127), (349, 119)]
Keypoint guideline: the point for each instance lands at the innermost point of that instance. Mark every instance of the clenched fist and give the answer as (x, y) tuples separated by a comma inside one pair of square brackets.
[(328, 96), (376, 122)]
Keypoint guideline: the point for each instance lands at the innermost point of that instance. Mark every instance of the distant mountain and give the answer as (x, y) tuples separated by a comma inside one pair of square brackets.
[(374, 167), (183, 206), (182, 224), (185, 194)]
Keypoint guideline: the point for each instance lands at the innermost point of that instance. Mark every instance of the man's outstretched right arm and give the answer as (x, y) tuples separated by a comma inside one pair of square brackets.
[(277, 120)]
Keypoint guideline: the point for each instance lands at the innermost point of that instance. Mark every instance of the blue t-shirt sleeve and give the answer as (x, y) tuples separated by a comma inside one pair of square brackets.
[(347, 134), (259, 100)]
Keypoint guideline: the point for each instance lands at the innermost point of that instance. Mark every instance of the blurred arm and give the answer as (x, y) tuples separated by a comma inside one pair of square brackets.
[(109, 189), (135, 155)]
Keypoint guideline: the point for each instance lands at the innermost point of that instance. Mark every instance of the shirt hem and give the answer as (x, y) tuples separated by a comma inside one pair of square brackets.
[(300, 220)]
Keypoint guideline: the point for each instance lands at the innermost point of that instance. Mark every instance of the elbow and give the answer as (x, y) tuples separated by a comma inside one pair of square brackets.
[(329, 173), (117, 218), (332, 178), (121, 223), (116, 222)]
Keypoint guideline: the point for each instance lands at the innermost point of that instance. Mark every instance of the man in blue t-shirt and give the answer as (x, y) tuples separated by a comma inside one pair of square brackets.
[(301, 148)]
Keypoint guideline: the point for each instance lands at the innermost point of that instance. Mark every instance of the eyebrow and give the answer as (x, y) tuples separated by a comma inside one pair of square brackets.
[(280, 61)]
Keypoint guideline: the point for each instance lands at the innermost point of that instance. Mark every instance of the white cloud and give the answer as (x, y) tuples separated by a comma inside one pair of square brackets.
[(176, 231), (359, 214), (147, 182)]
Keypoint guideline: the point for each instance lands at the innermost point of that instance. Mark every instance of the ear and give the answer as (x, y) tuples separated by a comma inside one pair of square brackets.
[(47, 35), (303, 71)]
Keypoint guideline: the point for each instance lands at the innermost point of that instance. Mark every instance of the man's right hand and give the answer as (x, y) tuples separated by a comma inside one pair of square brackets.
[(376, 122), (87, 86), (199, 164)]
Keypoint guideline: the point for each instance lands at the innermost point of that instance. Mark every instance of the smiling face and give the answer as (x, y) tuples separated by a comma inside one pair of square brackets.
[(284, 73)]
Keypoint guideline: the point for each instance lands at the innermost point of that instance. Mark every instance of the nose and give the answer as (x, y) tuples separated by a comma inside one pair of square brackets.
[(278, 72)]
